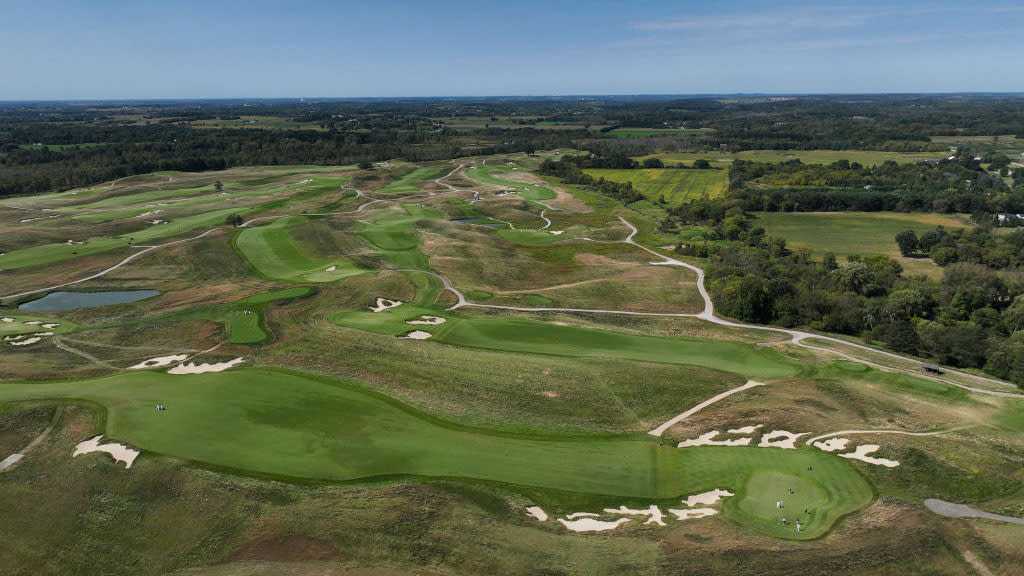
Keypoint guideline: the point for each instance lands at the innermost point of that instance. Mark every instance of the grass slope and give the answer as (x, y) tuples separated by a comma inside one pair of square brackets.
[(276, 254)]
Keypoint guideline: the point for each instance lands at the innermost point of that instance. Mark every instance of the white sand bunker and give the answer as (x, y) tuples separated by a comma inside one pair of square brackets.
[(383, 304), (50, 326), (706, 498), (558, 232), (429, 320), (538, 513), (416, 335), (331, 269), (159, 361), (7, 319), (192, 368), (32, 322), (706, 439), (780, 439), (591, 524), (832, 444), (26, 342), (745, 429), (120, 452), (862, 451), (656, 516), (692, 513)]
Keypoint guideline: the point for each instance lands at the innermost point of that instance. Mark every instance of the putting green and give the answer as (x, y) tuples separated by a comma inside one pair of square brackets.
[(277, 422), (764, 489), (276, 254)]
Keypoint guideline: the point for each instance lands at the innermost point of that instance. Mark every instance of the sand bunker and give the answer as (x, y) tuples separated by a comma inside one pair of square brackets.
[(192, 368), (23, 220), (150, 213), (862, 451), (706, 440), (745, 429), (159, 361), (430, 320), (119, 452), (50, 326), (592, 525), (26, 342), (537, 513), (656, 516), (706, 498), (780, 439), (331, 269), (832, 444), (692, 513), (33, 322), (6, 319), (383, 304), (558, 232), (75, 242), (155, 222), (416, 335)]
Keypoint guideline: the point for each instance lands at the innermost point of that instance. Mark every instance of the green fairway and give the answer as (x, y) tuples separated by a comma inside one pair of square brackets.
[(275, 422), (407, 182), (518, 335), (846, 233), (273, 251), (672, 184), (499, 176), (393, 234), (18, 324), (53, 253)]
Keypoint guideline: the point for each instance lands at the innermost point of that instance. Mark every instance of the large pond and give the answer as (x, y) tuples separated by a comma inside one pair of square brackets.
[(73, 300)]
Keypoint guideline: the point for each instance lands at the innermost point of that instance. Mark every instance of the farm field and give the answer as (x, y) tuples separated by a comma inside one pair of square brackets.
[(675, 186), (865, 157), (861, 233), (360, 359)]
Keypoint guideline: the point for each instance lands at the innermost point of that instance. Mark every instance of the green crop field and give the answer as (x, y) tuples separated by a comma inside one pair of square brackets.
[(846, 233), (865, 157), (673, 185), (648, 132)]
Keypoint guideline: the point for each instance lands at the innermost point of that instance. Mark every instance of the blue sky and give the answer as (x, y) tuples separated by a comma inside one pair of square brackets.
[(113, 49)]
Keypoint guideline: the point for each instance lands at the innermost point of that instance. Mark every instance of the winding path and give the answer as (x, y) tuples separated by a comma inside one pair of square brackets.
[(953, 510), (677, 419), (901, 432), (10, 461)]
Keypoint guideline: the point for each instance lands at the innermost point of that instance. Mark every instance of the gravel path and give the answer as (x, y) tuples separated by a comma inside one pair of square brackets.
[(952, 510), (13, 459), (661, 429)]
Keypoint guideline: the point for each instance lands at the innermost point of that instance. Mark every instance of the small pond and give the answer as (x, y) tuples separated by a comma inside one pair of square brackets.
[(467, 220), (55, 301)]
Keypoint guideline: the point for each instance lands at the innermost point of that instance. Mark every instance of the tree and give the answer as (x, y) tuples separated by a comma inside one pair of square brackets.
[(653, 163), (365, 165), (701, 164), (908, 242), (218, 186), (234, 220), (829, 262)]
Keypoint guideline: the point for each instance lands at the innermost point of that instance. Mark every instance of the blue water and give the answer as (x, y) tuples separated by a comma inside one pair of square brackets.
[(495, 224), (73, 300), (467, 220)]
